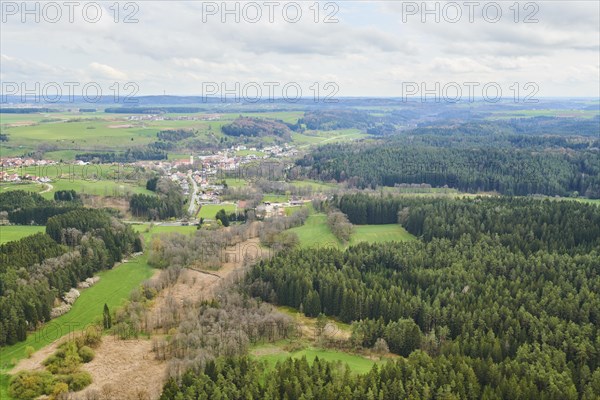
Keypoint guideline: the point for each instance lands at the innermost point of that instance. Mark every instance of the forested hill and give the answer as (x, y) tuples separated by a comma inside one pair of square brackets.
[(507, 288), (521, 224), (512, 165), (247, 126)]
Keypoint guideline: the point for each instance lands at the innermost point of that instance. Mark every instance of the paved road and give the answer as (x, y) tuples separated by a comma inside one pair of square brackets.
[(192, 209)]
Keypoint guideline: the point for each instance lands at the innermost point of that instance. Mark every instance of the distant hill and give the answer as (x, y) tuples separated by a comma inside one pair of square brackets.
[(257, 127)]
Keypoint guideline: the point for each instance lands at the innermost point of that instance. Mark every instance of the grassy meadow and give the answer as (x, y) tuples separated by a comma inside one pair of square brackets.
[(316, 233), (274, 353), (9, 233), (208, 211)]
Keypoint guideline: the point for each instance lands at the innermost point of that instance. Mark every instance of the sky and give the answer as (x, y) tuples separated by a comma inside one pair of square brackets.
[(346, 48)]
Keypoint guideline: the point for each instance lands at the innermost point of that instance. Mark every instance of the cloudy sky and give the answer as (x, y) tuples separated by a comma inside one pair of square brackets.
[(368, 48)]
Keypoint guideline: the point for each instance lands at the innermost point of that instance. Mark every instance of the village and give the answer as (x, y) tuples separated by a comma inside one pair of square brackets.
[(202, 177)]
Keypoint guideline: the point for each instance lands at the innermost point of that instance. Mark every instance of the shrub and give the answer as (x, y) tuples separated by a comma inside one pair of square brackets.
[(86, 354), (30, 384), (65, 360), (29, 350), (79, 380), (92, 336), (60, 388)]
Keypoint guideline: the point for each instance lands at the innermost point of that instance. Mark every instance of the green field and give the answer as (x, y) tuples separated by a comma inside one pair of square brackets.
[(276, 198), (249, 152), (97, 179), (321, 137), (28, 187), (236, 182), (98, 188), (114, 288), (273, 353), (148, 231), (316, 233), (16, 232), (316, 186), (208, 211), (379, 233)]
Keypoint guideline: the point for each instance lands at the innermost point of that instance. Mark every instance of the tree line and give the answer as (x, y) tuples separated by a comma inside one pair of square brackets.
[(523, 224), (28, 208), (464, 165), (417, 377), (130, 155)]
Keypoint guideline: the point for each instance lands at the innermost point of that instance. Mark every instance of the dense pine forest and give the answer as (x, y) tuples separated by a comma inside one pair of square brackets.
[(419, 376), (508, 164), (506, 288), (520, 224)]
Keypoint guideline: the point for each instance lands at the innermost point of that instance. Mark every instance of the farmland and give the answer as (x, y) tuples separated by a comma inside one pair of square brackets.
[(64, 135), (16, 232), (315, 232), (208, 211), (149, 230), (379, 233)]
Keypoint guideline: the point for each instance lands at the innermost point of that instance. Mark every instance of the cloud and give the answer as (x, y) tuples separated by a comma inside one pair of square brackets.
[(366, 53), (107, 72)]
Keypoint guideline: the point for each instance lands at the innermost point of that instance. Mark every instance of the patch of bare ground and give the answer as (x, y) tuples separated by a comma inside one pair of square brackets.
[(128, 369), (124, 369), (20, 123), (119, 203), (122, 126), (35, 361)]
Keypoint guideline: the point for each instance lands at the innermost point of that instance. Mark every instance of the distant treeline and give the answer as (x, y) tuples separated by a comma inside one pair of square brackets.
[(26, 110), (38, 268), (534, 126), (257, 127), (328, 120), (153, 110), (469, 167), (130, 155)]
